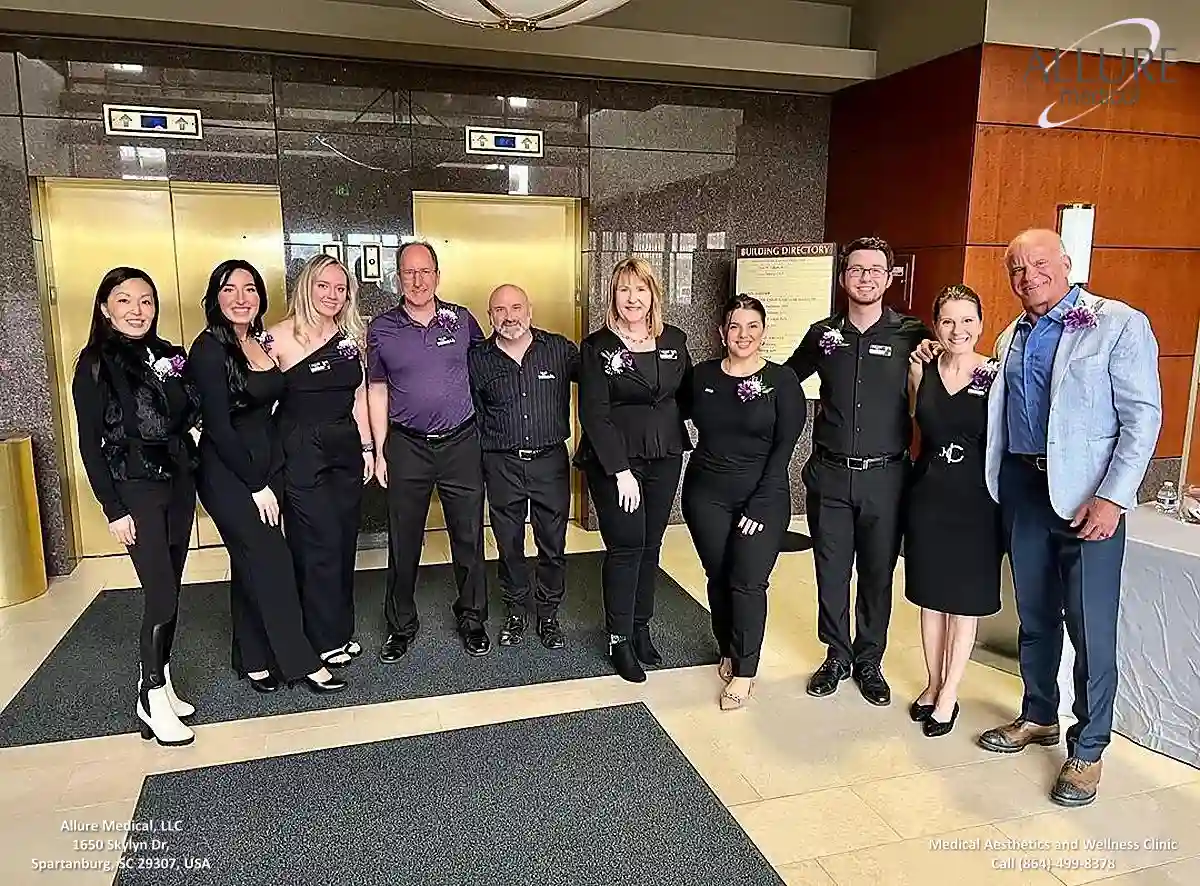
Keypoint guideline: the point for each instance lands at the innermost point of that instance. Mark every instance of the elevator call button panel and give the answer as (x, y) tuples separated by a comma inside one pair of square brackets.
[(152, 122), (505, 142)]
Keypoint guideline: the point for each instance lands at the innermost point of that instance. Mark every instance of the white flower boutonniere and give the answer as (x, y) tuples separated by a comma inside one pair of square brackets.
[(831, 340), (347, 348), (168, 367), (616, 362)]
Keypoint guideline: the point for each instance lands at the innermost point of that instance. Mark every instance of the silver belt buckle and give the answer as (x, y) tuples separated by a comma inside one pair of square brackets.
[(526, 454), (857, 464)]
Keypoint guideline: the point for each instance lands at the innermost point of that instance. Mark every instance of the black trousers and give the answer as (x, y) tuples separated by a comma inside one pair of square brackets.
[(321, 513), (539, 486), (738, 566), (163, 513), (1060, 579), (856, 521), (415, 467), (633, 541), (268, 624)]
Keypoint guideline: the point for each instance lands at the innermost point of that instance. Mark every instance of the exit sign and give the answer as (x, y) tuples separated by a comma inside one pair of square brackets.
[(504, 142)]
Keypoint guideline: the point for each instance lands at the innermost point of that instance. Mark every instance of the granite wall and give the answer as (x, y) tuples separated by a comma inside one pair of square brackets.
[(677, 175)]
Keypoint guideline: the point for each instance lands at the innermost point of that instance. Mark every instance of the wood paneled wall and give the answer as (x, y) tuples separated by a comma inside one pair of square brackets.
[(1137, 161)]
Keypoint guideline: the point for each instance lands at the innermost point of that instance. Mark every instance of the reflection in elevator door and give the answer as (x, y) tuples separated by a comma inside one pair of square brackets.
[(485, 240), (174, 232)]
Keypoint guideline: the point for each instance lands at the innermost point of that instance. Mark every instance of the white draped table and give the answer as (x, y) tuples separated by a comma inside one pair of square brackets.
[(1158, 638)]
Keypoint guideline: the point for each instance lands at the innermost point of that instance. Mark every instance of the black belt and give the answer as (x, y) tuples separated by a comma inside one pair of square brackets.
[(527, 454), (1037, 462), (437, 436), (858, 464)]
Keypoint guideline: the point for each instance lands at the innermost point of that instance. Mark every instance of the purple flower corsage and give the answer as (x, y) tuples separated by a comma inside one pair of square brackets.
[(265, 340), (169, 367), (447, 318), (831, 340), (1080, 318), (347, 348), (616, 362), (751, 389), (983, 375)]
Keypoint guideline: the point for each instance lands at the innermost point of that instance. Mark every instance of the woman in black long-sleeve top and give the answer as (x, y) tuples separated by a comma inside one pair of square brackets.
[(737, 495), (631, 451), (135, 410), (241, 460)]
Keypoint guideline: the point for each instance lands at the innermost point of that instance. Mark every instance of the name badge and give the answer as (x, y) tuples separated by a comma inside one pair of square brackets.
[(709, 391), (546, 375), (669, 354), (880, 350), (977, 392), (444, 340), (319, 366)]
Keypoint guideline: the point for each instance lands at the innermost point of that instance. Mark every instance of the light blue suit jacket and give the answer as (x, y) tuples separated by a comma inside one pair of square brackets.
[(1105, 409)]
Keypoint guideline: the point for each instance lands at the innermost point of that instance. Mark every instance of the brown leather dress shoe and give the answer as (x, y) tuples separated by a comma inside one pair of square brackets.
[(1018, 735), (1077, 783)]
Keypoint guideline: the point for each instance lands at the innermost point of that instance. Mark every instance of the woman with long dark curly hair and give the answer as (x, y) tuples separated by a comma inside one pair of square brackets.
[(240, 483), (135, 409)]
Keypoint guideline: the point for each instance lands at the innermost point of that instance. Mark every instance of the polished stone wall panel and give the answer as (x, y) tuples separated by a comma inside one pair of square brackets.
[(238, 94), (777, 200), (80, 149), (9, 97), (322, 95), (26, 349), (446, 166)]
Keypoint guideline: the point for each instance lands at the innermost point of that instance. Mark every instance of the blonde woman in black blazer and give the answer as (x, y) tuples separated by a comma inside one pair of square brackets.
[(632, 373)]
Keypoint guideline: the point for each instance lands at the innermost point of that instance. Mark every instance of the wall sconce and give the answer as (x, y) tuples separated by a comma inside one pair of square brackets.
[(1076, 225)]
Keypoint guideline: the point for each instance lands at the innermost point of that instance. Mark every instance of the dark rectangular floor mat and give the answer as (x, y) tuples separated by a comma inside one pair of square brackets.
[(591, 798), (86, 687)]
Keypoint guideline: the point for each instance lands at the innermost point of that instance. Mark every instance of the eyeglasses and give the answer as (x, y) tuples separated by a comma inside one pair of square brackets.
[(859, 271), (409, 274)]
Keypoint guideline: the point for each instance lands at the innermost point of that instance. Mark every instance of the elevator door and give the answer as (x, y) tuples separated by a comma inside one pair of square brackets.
[(174, 232), (484, 240)]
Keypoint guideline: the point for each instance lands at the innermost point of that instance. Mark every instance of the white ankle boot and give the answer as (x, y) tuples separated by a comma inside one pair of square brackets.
[(178, 705), (161, 722)]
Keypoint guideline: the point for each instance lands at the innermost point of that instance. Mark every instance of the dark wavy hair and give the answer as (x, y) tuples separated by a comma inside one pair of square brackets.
[(102, 332), (220, 327), (956, 292), (743, 303)]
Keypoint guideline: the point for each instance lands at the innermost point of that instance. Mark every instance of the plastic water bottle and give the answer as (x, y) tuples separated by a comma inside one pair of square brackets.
[(1167, 499)]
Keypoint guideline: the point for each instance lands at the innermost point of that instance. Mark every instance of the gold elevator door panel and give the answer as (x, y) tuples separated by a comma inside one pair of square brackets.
[(89, 228), (484, 240), (213, 223)]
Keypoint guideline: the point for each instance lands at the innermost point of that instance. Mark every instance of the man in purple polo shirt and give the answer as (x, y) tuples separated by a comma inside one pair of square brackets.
[(423, 423)]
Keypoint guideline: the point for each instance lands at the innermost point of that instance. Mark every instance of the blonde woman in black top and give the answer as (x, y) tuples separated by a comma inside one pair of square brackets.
[(135, 408), (631, 451), (737, 497)]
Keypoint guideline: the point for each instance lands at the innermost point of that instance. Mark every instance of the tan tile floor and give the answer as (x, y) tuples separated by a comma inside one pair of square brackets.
[(833, 791)]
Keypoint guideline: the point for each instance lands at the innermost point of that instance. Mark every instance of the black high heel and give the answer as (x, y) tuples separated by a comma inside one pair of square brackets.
[(333, 684), (933, 728)]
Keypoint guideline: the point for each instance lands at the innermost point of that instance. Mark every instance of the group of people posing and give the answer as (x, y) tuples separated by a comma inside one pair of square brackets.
[(292, 421)]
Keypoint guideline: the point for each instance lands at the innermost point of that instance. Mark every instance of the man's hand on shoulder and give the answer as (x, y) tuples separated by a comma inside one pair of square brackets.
[(1097, 519)]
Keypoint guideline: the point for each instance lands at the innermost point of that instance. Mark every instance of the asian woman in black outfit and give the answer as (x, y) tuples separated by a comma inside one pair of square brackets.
[(328, 453), (631, 450), (241, 462), (736, 495), (135, 409)]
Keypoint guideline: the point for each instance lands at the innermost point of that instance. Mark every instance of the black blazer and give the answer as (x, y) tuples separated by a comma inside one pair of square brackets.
[(623, 413)]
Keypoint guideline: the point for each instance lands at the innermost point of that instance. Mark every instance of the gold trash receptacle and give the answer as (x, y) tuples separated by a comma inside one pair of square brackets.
[(22, 557)]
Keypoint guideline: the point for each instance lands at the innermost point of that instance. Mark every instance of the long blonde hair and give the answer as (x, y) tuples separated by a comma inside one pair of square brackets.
[(640, 269), (303, 312)]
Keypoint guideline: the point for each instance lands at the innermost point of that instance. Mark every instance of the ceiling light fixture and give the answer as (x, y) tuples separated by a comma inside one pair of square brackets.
[(520, 15)]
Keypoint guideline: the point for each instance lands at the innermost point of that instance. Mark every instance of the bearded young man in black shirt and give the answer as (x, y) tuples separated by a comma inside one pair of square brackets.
[(856, 476)]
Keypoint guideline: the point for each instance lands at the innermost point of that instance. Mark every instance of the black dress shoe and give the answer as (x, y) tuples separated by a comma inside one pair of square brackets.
[(269, 683), (513, 631), (333, 684), (643, 647), (394, 648), (550, 633), (933, 728), (826, 678), (475, 640), (919, 712), (871, 683), (625, 660)]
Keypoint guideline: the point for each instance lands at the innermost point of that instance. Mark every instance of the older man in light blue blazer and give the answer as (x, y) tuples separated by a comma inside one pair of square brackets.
[(1074, 417)]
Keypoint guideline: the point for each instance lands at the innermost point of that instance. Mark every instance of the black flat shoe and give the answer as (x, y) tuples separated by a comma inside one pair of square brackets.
[(333, 684), (919, 712), (394, 648), (475, 641), (269, 683), (933, 728), (643, 647), (625, 661)]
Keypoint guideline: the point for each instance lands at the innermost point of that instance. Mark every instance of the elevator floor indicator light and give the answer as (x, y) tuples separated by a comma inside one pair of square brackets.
[(152, 122), (504, 142)]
